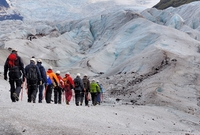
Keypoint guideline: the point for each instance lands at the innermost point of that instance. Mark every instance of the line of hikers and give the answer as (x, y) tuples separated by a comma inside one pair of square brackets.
[(35, 78)]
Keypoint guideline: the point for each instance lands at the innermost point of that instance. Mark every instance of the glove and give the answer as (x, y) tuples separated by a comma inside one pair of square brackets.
[(5, 78)]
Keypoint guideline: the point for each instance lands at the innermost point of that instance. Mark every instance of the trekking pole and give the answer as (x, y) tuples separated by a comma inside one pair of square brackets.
[(45, 91), (22, 89), (63, 96)]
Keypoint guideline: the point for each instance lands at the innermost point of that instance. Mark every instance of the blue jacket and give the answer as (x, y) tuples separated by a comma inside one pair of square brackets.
[(42, 72)]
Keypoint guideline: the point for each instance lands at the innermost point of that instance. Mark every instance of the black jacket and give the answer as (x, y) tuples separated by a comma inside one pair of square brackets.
[(79, 80)]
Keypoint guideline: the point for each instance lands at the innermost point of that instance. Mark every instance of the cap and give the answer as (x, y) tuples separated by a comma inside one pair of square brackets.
[(93, 79), (78, 74), (58, 72), (50, 67), (39, 60), (85, 75), (97, 81), (32, 59)]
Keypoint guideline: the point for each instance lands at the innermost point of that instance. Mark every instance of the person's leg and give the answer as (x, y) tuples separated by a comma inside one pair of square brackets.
[(18, 86), (34, 92), (95, 98), (12, 89), (59, 95), (81, 98), (86, 98), (55, 95), (69, 95), (29, 93), (40, 95), (77, 97), (48, 94)]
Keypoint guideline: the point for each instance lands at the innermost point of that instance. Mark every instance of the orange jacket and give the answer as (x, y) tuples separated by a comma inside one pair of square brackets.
[(53, 77)]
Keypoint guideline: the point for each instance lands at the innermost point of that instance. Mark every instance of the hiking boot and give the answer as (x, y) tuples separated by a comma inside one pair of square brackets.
[(15, 96), (67, 102), (32, 98)]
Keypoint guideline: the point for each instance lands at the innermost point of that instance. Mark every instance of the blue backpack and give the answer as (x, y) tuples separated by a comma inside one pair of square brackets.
[(49, 82)]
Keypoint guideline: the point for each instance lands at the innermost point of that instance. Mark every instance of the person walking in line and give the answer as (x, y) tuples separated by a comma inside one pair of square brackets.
[(55, 83), (78, 89), (15, 66), (94, 89), (33, 77), (68, 86), (100, 94), (86, 83), (58, 89), (44, 80)]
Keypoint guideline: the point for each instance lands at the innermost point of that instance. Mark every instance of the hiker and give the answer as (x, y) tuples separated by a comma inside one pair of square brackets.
[(78, 89), (58, 89), (48, 87), (86, 83), (94, 89), (15, 66), (33, 76), (55, 83), (44, 80), (68, 86), (100, 94)]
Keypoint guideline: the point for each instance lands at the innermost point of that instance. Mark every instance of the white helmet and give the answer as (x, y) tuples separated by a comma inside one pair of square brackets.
[(78, 74), (50, 67), (58, 72), (32, 59), (39, 60)]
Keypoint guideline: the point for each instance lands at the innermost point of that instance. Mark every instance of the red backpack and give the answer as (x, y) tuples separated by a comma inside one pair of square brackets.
[(11, 60)]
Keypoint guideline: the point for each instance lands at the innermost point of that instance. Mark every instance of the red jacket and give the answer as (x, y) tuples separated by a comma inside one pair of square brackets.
[(61, 81)]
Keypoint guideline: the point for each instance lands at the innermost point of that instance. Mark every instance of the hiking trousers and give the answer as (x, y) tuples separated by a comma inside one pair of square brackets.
[(57, 95), (32, 91), (15, 87), (82, 94), (40, 95), (68, 94), (77, 97), (94, 98), (48, 93)]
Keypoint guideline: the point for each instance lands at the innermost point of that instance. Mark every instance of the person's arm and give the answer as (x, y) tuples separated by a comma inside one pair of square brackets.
[(44, 75), (55, 78), (6, 69), (39, 75)]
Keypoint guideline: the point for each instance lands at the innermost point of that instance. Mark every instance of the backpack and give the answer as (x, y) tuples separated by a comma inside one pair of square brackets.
[(32, 76), (85, 83), (49, 82), (76, 83), (11, 60)]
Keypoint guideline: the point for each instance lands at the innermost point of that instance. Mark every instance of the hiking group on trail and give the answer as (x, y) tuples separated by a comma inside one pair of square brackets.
[(38, 80)]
